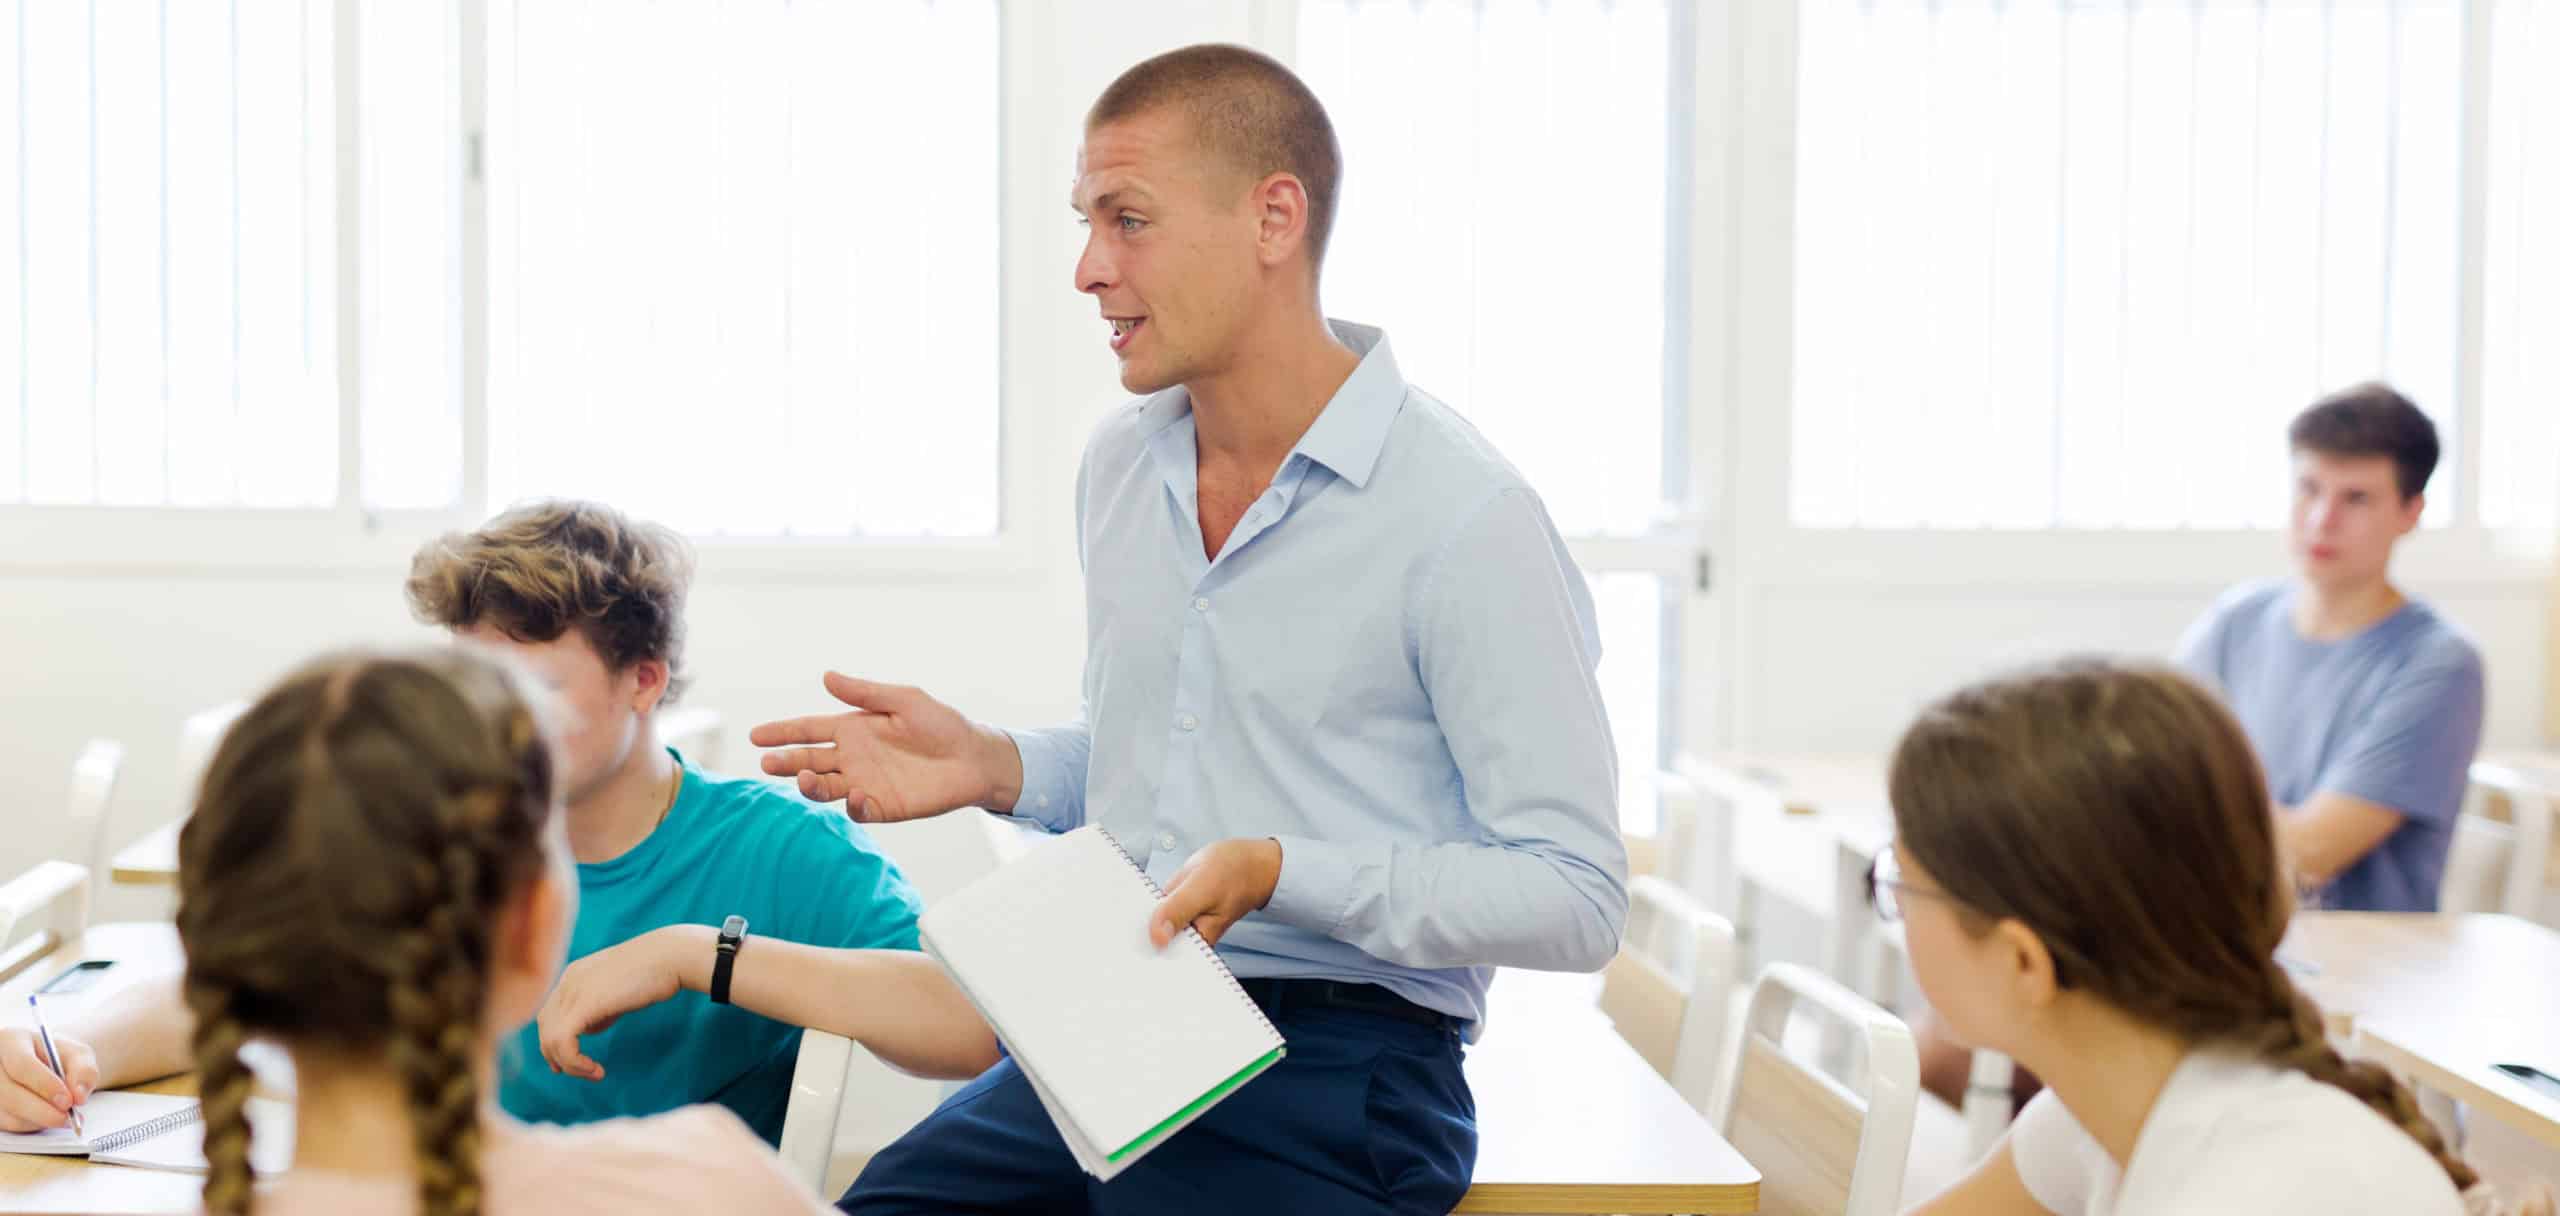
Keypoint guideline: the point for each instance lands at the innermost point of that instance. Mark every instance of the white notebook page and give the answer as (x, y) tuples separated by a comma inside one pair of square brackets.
[(1053, 949)]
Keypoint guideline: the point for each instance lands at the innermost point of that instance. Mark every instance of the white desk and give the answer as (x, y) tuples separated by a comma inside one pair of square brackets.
[(2443, 999), (71, 1184)]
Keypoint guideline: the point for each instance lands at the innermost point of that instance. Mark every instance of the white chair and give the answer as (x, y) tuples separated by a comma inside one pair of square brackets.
[(93, 788), (2477, 866), (1865, 953), (1009, 836), (2524, 889), (52, 897), (1673, 848), (1666, 989), (198, 736), (1720, 798), (1871, 958), (817, 1101), (693, 731), (1822, 1147)]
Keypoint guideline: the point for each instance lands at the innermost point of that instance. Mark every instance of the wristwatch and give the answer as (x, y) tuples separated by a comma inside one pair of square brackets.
[(732, 932)]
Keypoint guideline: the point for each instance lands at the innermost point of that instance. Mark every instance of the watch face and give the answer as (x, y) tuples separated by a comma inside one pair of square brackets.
[(733, 928)]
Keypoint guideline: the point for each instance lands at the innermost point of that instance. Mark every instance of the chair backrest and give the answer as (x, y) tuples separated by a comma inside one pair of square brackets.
[(1666, 989), (1821, 1147), (198, 736), (817, 1101), (93, 789), (2525, 888), (693, 731), (2476, 866), (1675, 832), (49, 901), (1722, 797)]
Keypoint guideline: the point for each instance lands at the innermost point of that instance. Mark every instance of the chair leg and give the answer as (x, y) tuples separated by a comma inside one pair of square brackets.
[(1987, 1102)]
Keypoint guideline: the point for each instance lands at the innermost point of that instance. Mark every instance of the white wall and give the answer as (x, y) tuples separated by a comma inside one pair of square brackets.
[(1827, 663), (1832, 669)]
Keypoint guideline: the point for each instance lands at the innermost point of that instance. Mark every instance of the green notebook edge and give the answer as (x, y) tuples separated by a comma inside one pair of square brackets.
[(1221, 1090)]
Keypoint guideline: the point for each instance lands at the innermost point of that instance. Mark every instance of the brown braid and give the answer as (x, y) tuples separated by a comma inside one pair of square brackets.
[(223, 1085), (360, 830), (435, 1012), (2297, 1037), (2119, 813)]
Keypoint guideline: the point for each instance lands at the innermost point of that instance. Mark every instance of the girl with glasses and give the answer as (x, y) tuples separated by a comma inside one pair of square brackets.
[(2085, 859)]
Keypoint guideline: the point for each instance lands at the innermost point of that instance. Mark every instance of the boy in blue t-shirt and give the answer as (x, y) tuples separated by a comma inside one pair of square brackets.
[(2364, 704)]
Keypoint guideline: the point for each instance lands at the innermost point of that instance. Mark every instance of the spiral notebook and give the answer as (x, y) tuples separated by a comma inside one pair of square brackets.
[(158, 1132), (124, 1128), (1125, 1044)]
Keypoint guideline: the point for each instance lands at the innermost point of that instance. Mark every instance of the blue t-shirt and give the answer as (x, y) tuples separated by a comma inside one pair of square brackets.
[(2390, 715), (796, 871)]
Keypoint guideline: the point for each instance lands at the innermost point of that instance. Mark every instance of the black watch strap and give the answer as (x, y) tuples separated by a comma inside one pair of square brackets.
[(733, 931)]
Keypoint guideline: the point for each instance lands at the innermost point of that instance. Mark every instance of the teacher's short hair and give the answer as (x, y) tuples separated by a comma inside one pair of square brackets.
[(1246, 108)]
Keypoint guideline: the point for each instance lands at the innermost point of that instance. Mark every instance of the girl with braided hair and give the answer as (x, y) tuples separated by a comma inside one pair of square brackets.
[(2085, 857), (376, 877)]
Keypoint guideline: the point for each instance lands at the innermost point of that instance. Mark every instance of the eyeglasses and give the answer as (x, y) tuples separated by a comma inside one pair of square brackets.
[(1886, 887)]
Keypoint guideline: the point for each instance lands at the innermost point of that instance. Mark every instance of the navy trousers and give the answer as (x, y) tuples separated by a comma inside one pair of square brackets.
[(1364, 1114)]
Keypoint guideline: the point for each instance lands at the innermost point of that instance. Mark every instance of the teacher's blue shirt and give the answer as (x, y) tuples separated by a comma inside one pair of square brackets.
[(1388, 669)]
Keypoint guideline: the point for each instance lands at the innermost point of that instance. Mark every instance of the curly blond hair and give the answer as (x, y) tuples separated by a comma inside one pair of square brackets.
[(544, 568)]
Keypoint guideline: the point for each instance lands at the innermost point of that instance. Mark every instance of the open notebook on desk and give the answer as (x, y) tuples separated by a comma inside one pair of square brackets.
[(1125, 1044), (157, 1131)]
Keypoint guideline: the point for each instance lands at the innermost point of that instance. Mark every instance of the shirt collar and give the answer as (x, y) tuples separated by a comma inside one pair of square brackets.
[(1351, 431)]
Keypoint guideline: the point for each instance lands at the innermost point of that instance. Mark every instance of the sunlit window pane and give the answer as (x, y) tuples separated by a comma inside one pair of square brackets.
[(1503, 217), (2074, 264), (743, 262)]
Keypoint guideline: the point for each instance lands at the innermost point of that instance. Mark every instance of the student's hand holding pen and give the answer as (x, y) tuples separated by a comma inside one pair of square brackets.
[(32, 1098)]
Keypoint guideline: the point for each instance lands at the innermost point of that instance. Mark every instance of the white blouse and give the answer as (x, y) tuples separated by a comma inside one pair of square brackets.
[(2236, 1135)]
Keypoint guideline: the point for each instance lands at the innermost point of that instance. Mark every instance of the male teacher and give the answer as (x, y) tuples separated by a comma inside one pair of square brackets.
[(1338, 691)]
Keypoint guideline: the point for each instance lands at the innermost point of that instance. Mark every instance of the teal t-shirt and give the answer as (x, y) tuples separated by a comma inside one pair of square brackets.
[(729, 845)]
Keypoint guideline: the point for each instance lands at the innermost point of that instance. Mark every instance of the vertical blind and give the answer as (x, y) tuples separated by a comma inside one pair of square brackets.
[(2520, 372), (743, 262), (166, 254), (2063, 263), (1504, 214)]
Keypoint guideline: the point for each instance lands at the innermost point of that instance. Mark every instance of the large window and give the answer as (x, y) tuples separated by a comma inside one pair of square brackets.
[(1508, 217), (2520, 371), (738, 266), (743, 268), (2073, 264), (167, 319)]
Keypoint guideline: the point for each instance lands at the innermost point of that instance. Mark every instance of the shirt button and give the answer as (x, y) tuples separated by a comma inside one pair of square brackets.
[(1201, 604), (1189, 723), (1044, 800), (1166, 842)]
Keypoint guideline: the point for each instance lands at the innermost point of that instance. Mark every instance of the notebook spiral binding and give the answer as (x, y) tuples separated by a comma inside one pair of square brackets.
[(140, 1132), (1193, 936)]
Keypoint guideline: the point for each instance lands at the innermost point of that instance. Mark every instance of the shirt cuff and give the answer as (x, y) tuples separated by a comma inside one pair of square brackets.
[(1051, 796), (1317, 883)]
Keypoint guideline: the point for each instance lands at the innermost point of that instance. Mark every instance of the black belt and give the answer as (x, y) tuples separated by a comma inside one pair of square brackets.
[(1278, 996)]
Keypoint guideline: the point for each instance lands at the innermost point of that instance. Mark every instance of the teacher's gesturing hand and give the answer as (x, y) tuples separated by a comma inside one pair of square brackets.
[(898, 755)]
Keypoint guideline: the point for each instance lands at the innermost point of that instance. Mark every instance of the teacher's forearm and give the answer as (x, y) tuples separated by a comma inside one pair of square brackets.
[(898, 1004)]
